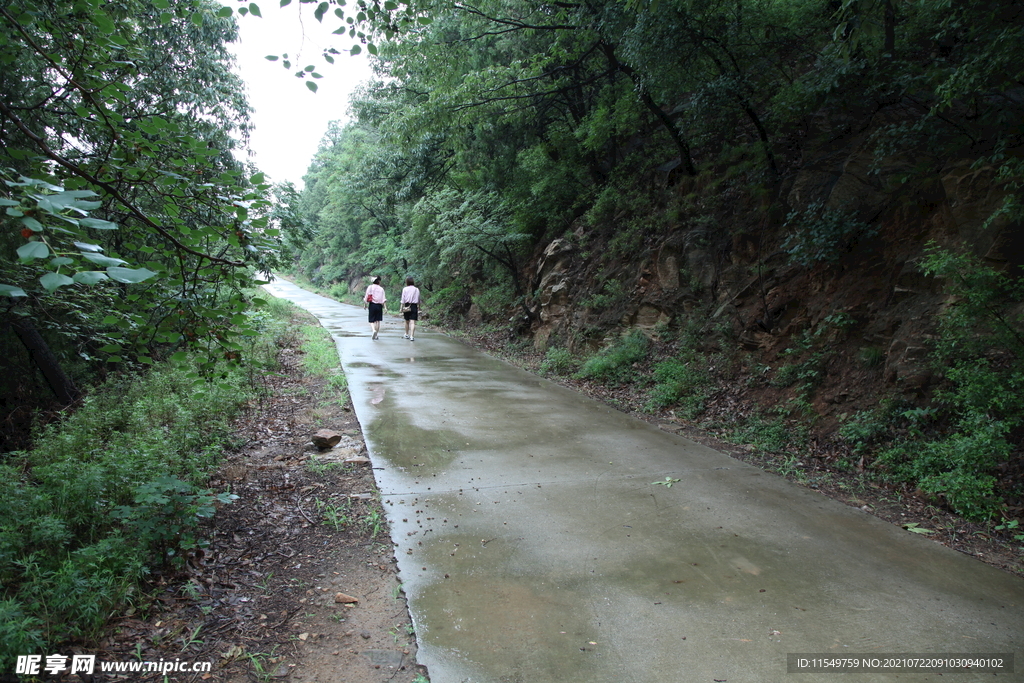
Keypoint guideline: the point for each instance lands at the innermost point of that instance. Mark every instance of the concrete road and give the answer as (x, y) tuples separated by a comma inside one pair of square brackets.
[(535, 546)]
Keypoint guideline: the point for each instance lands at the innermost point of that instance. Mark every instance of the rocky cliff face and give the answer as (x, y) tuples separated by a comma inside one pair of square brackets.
[(741, 272)]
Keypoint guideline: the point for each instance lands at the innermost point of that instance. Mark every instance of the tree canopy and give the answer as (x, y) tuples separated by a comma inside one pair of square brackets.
[(531, 118), (130, 224)]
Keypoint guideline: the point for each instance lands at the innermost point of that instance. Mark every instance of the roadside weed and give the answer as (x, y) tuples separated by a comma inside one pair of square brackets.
[(337, 514)]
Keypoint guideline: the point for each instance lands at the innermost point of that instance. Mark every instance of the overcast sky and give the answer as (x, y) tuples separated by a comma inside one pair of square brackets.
[(289, 119)]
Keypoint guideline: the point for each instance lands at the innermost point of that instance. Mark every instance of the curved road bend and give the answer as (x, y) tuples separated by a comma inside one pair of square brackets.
[(534, 547)]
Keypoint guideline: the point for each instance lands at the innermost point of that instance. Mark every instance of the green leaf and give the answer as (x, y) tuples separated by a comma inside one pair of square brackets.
[(32, 224), (423, 21), (311, 85), (89, 277), (98, 224), (110, 348), (60, 261), (255, 9), (161, 4), (31, 250), (285, 3), (320, 11), (257, 178), (101, 260), (355, 50), (272, 58), (179, 357), (85, 246), (371, 48), (109, 320), (11, 290), (225, 12), (51, 281), (103, 22), (197, 18), (129, 275)]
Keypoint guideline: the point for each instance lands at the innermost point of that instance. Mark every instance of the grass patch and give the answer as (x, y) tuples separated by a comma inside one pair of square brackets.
[(770, 434), (685, 381), (558, 361), (320, 358), (614, 365)]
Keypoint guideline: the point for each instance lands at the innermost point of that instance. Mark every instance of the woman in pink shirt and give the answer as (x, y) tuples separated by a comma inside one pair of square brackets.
[(374, 301), (410, 308)]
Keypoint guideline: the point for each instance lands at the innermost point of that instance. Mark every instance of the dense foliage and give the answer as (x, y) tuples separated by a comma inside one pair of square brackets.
[(130, 229), (112, 494), (130, 237), (502, 124)]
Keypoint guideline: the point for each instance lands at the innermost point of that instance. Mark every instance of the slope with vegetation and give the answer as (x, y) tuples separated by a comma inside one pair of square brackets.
[(131, 237), (807, 211)]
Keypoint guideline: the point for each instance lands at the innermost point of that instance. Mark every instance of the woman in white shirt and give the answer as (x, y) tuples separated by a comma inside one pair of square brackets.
[(410, 308), (374, 301)]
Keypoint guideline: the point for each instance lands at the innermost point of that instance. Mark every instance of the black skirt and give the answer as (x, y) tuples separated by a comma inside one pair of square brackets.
[(376, 312)]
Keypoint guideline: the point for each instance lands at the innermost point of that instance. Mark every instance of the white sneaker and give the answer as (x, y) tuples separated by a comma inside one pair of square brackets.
[(405, 336), (412, 338), (374, 336)]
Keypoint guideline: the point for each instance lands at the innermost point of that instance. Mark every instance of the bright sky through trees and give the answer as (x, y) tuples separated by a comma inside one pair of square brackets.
[(289, 119)]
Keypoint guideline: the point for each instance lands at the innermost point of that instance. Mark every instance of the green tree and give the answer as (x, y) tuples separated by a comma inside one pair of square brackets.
[(138, 230)]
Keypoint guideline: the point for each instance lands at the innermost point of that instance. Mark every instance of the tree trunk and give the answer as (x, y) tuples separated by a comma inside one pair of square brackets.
[(670, 127), (61, 385)]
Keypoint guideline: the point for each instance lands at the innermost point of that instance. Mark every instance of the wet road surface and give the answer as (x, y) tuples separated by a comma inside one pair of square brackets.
[(534, 546)]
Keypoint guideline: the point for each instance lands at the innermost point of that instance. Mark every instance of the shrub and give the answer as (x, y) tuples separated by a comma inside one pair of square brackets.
[(685, 380), (774, 435), (957, 467), (820, 235), (106, 491), (166, 514), (981, 351), (614, 364), (558, 361)]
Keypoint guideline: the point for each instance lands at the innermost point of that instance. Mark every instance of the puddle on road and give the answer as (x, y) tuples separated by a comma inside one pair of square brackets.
[(381, 369), (511, 625), (395, 438)]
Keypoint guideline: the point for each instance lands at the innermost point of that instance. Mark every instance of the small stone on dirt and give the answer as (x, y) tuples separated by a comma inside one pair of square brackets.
[(325, 438), (342, 598)]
